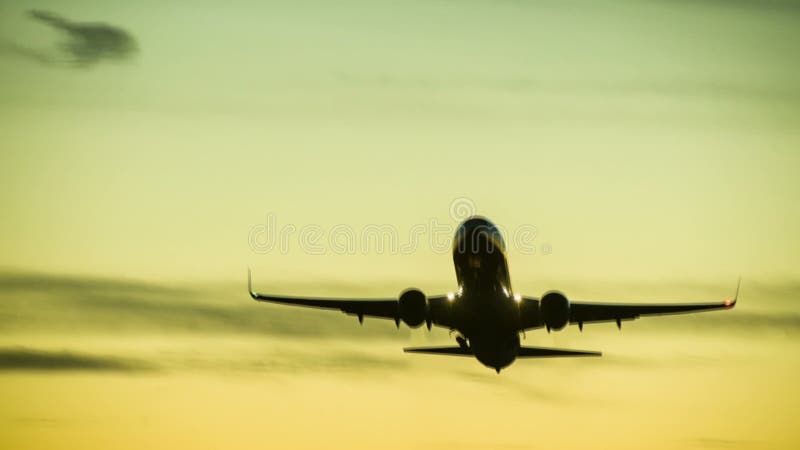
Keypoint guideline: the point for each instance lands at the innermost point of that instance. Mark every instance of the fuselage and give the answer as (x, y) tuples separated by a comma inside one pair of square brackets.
[(485, 305)]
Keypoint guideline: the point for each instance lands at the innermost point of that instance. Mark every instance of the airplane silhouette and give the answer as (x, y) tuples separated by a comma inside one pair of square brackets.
[(487, 316)]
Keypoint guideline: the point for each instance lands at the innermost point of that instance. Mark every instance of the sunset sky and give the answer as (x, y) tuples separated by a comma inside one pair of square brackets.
[(151, 151)]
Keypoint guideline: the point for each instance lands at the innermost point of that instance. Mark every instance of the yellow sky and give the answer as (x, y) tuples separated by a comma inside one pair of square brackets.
[(642, 140), (652, 146), (91, 363)]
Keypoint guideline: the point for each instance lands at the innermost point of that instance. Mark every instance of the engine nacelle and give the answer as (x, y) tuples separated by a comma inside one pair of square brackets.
[(554, 310), (413, 307)]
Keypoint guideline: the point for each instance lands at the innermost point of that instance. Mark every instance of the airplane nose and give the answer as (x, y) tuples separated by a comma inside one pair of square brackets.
[(478, 236)]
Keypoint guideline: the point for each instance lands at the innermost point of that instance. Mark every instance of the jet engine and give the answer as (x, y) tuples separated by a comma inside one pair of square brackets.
[(554, 310), (413, 307)]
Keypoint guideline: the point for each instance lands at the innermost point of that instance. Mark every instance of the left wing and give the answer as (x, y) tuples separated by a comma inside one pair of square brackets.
[(581, 313), (586, 312), (385, 308)]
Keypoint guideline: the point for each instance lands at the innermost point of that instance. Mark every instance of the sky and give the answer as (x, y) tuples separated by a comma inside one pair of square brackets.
[(639, 150)]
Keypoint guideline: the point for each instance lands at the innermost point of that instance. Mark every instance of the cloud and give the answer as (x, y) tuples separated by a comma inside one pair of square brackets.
[(53, 304), (14, 49), (326, 359), (511, 385), (330, 360), (692, 88), (86, 43), (219, 329), (21, 358)]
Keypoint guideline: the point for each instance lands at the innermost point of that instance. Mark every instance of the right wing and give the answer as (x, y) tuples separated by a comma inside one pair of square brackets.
[(450, 350), (384, 308), (584, 312), (607, 312), (590, 312)]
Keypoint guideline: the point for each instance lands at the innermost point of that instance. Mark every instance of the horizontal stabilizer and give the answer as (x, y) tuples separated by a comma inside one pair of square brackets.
[(542, 352), (454, 350), (524, 352)]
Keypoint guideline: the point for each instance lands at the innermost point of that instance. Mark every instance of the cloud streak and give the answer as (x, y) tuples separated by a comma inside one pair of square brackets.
[(668, 88), (86, 43), (57, 304), (24, 359), (333, 360)]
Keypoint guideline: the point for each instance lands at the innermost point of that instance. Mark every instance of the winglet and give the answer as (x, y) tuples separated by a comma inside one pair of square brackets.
[(250, 284), (732, 303)]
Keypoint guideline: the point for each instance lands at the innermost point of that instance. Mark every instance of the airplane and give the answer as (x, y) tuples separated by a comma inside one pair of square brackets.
[(486, 314)]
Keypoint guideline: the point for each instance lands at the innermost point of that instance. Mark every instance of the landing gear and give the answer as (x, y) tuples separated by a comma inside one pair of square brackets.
[(462, 342)]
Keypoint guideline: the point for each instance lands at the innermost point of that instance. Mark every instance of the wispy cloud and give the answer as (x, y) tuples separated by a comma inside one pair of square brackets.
[(10, 48), (53, 304), (86, 43), (665, 87), (21, 358), (327, 359), (330, 360), (512, 386)]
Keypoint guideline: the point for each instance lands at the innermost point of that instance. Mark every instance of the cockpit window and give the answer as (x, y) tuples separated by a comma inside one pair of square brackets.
[(478, 235)]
